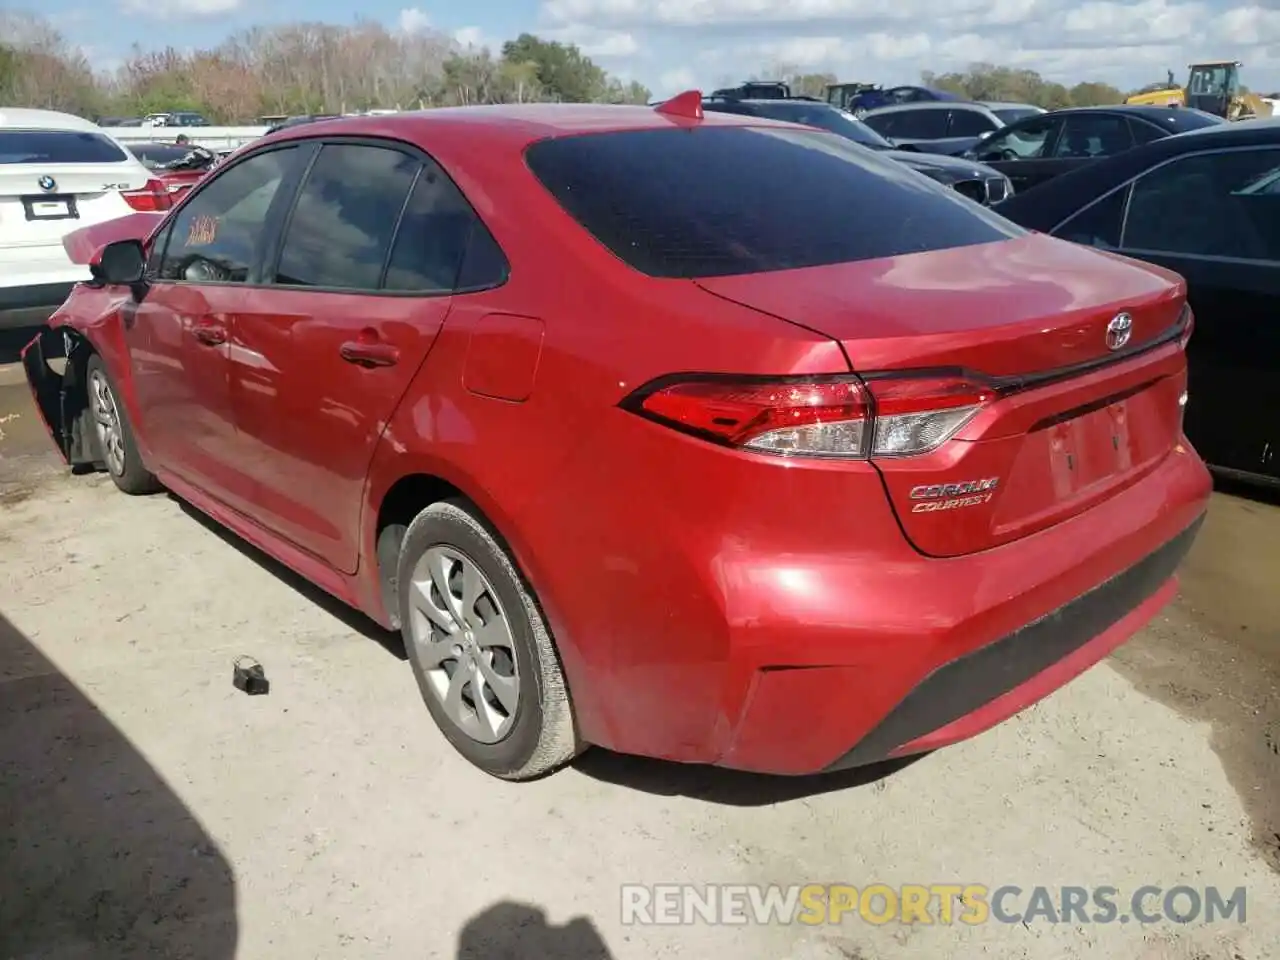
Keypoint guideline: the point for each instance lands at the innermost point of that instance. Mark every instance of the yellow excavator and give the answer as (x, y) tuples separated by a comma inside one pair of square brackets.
[(1212, 86)]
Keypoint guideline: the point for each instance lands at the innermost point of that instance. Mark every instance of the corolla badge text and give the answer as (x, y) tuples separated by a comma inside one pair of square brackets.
[(953, 496)]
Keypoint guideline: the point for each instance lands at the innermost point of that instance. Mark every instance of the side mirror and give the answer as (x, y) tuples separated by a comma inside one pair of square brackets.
[(122, 263)]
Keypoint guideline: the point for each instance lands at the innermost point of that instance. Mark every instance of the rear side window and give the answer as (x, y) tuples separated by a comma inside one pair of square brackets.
[(58, 146), (1144, 132), (433, 236), (346, 215), (928, 124), (716, 201), (1098, 225)]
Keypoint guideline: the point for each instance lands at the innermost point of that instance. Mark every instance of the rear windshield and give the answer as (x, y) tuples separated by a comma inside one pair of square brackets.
[(154, 155), (714, 201), (57, 146)]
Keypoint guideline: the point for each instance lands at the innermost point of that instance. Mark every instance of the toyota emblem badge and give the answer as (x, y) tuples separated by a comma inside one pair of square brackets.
[(1119, 330)]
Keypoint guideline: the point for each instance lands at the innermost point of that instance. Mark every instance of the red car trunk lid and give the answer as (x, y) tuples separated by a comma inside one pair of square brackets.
[(1080, 411)]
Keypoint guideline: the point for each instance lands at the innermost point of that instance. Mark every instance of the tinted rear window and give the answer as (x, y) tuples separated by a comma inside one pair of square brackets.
[(714, 201), (57, 146)]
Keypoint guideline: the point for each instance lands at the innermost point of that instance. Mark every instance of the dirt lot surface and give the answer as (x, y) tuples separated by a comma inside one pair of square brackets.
[(147, 808)]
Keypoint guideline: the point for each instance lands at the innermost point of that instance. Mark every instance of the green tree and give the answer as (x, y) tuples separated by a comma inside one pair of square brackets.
[(563, 72)]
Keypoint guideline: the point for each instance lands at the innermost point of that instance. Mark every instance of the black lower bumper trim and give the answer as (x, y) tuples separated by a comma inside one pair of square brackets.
[(967, 683)]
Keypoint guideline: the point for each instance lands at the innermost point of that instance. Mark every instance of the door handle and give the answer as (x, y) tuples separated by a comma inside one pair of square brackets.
[(369, 354), (210, 334)]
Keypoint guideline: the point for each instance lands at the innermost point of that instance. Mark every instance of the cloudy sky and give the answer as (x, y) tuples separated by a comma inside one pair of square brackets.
[(671, 45)]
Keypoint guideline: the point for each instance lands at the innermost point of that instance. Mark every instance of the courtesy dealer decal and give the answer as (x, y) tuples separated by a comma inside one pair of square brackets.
[(953, 496)]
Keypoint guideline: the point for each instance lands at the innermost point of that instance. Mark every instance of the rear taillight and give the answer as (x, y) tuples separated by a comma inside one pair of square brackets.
[(840, 417), (153, 196)]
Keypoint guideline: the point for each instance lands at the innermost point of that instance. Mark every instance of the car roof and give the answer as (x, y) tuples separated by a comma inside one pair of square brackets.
[(516, 124), (931, 105), (1178, 118), (23, 118), (1053, 201), (1007, 104)]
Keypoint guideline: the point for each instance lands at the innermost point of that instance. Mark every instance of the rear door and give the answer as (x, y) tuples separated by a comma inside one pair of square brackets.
[(1215, 219), (363, 280), (53, 182), (1023, 151)]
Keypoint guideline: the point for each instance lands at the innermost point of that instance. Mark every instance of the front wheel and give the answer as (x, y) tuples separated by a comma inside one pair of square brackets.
[(113, 438), (479, 647)]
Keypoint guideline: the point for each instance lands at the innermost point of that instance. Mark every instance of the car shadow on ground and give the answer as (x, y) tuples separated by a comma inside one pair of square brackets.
[(101, 859), (732, 788), (389, 640), (1229, 679), (518, 931)]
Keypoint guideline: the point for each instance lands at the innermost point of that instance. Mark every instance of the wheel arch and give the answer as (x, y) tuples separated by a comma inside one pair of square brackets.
[(404, 493)]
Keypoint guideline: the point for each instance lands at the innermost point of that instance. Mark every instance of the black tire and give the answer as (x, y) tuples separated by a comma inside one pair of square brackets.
[(542, 735), (131, 476)]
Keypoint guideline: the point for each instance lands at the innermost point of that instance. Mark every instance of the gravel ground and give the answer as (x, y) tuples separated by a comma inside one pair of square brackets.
[(149, 809)]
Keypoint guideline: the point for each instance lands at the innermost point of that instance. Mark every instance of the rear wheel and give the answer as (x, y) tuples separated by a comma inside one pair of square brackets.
[(480, 648), (113, 435)]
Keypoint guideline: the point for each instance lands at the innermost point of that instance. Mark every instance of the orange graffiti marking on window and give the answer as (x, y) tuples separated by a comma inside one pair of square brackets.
[(204, 230)]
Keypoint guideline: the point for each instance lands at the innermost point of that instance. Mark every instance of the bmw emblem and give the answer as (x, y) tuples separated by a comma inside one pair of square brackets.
[(47, 183)]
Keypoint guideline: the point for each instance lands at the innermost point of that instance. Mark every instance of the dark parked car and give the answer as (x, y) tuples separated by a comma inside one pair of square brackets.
[(975, 180), (874, 99), (1205, 204), (1037, 149)]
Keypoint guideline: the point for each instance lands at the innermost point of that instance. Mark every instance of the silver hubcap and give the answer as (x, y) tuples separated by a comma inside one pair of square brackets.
[(107, 419), (464, 644)]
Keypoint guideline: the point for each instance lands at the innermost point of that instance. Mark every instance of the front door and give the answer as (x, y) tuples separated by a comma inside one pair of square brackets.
[(1022, 151), (1215, 219), (199, 270), (320, 360)]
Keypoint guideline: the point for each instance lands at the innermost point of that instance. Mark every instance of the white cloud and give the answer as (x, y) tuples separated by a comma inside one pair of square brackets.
[(593, 41), (1125, 42), (676, 81), (472, 37), (179, 9), (413, 20)]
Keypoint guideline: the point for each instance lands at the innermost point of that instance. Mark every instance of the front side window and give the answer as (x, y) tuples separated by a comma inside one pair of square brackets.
[(341, 229), (217, 236), (759, 199), (1209, 204), (1027, 141), (1086, 137)]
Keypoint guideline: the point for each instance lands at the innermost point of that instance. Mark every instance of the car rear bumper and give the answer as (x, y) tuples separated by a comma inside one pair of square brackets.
[(31, 305), (946, 685), (786, 646)]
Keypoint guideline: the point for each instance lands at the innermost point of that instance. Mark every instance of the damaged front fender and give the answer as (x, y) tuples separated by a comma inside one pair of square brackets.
[(54, 363)]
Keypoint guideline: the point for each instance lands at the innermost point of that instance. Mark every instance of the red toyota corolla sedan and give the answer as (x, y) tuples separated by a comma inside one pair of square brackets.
[(700, 437)]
